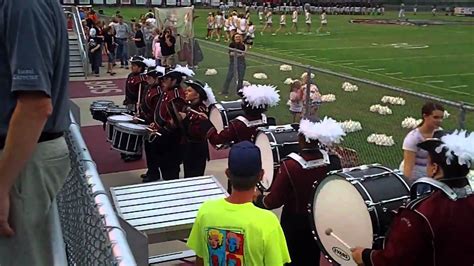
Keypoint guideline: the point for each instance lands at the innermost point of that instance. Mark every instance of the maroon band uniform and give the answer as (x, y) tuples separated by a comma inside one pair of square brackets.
[(237, 131), (195, 147), (292, 189), (432, 230), (134, 86)]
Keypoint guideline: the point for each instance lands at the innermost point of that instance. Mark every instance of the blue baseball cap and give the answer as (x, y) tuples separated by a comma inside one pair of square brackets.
[(245, 159)]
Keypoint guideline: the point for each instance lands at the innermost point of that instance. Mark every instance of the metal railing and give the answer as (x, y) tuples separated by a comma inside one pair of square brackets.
[(81, 37), (91, 229)]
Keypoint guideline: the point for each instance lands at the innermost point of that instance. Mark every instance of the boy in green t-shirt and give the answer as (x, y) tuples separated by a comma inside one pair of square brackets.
[(233, 231)]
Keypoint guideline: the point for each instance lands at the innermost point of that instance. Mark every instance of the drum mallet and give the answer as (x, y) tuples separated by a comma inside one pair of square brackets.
[(131, 116), (329, 232)]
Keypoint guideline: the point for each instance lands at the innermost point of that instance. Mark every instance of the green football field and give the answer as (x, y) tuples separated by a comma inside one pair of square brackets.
[(435, 60)]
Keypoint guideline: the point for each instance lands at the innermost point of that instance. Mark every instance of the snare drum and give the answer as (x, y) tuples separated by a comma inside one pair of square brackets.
[(128, 137), (275, 143), (222, 113), (358, 204), (116, 110), (112, 121), (98, 108)]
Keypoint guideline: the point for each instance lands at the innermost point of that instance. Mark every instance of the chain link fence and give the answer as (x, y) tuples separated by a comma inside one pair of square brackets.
[(348, 106), (91, 231)]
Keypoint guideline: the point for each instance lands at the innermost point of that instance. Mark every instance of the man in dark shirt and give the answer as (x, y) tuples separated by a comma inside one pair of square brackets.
[(34, 113), (236, 64), (139, 41), (110, 46), (167, 43)]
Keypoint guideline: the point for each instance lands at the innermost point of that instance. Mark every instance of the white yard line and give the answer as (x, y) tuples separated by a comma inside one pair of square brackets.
[(403, 58), (347, 64), (376, 69), (394, 73), (435, 81), (459, 86), (391, 77), (442, 75)]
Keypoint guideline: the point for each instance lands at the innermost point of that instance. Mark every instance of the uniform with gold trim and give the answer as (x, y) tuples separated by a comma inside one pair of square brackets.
[(198, 97), (293, 185), (435, 229)]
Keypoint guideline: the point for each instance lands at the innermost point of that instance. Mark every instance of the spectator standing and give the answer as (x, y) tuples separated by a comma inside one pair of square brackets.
[(232, 230), (296, 100), (167, 44), (139, 40), (156, 47), (110, 47), (122, 33), (34, 103), (95, 44), (415, 159), (236, 57), (148, 35)]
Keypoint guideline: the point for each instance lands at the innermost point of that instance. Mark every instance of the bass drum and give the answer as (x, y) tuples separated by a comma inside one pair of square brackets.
[(358, 204), (275, 143), (221, 113)]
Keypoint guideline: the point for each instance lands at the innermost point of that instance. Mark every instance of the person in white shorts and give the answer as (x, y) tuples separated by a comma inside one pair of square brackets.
[(268, 22), (250, 35), (307, 20), (324, 22), (210, 25), (294, 21), (415, 8), (219, 24), (242, 26), (282, 24), (433, 10), (227, 27), (401, 13)]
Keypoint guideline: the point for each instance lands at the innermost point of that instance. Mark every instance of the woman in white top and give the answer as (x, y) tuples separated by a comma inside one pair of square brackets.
[(227, 27), (250, 35), (268, 22), (210, 25), (324, 22), (282, 24), (242, 25), (219, 25), (415, 159), (294, 21), (307, 20)]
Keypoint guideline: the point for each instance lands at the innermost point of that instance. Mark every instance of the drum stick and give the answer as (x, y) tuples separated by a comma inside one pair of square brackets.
[(329, 232), (189, 109), (139, 119), (154, 132)]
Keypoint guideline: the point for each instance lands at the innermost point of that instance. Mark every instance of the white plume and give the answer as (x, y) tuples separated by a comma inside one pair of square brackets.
[(327, 131), (261, 95)]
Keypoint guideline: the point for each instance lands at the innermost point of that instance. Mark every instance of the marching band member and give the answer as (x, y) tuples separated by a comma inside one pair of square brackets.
[(135, 87), (255, 101), (198, 97), (165, 148), (435, 229), (147, 112), (292, 187)]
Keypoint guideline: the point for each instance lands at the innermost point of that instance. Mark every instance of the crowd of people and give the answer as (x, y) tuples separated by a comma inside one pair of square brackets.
[(150, 37)]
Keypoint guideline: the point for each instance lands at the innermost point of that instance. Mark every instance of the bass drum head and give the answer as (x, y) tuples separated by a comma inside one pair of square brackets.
[(215, 117), (266, 151), (338, 205)]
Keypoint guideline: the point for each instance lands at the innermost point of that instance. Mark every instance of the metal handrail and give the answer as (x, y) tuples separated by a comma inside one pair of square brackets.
[(82, 40), (120, 247), (463, 105), (79, 30)]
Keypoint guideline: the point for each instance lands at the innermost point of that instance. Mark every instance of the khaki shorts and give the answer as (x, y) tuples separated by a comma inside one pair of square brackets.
[(32, 203), (168, 60)]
